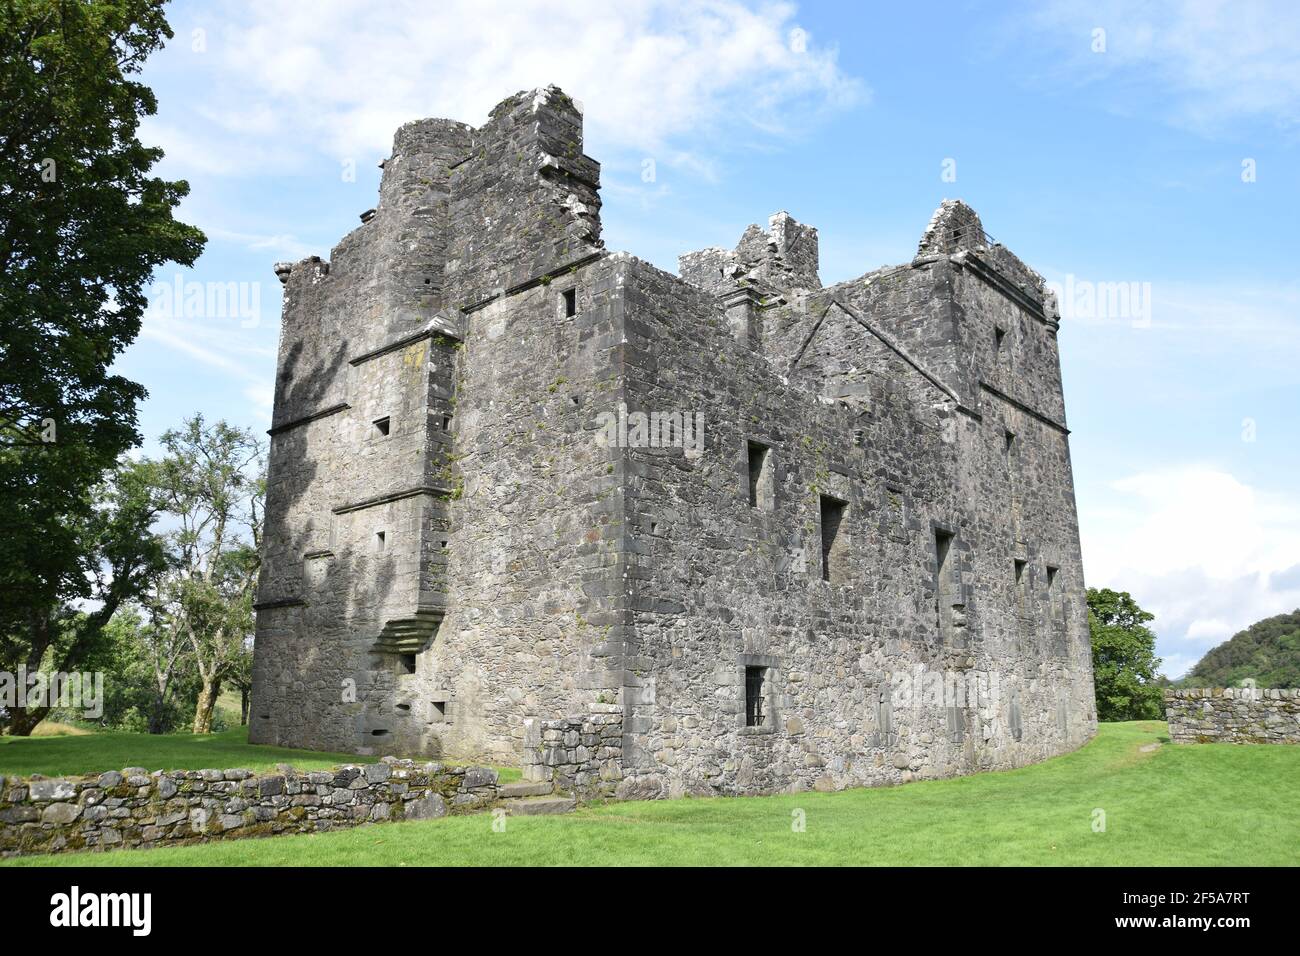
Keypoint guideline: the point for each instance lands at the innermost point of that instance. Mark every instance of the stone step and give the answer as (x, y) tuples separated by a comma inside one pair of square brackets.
[(535, 806), (525, 788)]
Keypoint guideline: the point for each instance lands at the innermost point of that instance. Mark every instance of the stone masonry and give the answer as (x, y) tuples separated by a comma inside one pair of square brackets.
[(1233, 715), (775, 535), (135, 808)]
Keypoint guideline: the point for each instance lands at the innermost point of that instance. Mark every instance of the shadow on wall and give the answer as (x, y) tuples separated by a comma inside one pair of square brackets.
[(314, 668)]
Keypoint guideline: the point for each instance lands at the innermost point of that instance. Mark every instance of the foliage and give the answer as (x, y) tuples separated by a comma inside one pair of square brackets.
[(1123, 657), (118, 555), (82, 227), (212, 482), (1267, 652)]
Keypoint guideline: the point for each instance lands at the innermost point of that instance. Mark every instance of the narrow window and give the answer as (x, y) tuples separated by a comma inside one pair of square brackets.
[(446, 423), (944, 590), (755, 694), (760, 476), (1053, 595), (570, 297), (1019, 571), (381, 425), (408, 663), (999, 334), (380, 540), (1009, 439), (834, 544)]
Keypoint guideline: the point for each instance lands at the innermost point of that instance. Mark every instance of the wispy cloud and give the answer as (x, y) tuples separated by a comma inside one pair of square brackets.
[(284, 246), (1200, 63), (222, 345), (647, 73)]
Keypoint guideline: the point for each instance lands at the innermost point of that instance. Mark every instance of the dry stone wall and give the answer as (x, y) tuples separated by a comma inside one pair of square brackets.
[(1233, 715), (135, 808), (581, 754)]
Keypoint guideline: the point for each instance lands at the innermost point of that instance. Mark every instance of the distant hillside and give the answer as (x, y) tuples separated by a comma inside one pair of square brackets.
[(1268, 651)]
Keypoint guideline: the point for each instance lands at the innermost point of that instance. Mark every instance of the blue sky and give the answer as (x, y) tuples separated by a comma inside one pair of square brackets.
[(1152, 144)]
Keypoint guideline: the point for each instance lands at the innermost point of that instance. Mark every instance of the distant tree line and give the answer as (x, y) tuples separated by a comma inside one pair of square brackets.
[(1267, 652)]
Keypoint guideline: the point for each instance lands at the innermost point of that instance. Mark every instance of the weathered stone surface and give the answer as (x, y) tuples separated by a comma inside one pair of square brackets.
[(427, 807), (162, 812), (60, 813), (51, 790), (476, 514), (1233, 715)]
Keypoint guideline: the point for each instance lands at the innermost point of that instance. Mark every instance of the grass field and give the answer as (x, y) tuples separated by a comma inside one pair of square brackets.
[(1213, 804), (82, 752), (72, 750)]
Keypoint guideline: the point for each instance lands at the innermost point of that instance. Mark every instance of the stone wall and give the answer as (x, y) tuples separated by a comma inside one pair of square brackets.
[(135, 808), (724, 585), (1233, 715), (581, 754)]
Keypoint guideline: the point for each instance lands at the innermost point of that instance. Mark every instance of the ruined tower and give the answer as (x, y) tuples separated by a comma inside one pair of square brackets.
[(531, 501)]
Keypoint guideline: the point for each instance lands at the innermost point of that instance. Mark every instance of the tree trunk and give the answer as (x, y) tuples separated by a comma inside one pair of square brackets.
[(157, 713), (207, 703), (243, 706), (23, 720)]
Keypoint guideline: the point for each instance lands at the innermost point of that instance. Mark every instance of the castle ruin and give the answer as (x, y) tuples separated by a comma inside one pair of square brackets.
[(732, 531)]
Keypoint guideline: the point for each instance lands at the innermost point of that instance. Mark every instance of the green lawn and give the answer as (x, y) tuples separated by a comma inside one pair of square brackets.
[(93, 753), (1212, 804), (96, 752)]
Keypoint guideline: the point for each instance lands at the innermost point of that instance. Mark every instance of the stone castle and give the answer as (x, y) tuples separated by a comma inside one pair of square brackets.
[(531, 501)]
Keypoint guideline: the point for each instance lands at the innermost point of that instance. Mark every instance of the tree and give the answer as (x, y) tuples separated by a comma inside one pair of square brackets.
[(241, 675), (1267, 652), (117, 555), (82, 227), (212, 482), (1123, 657), (160, 648)]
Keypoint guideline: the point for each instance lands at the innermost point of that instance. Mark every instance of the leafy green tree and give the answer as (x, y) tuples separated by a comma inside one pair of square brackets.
[(82, 227), (212, 481), (1123, 657), (118, 555)]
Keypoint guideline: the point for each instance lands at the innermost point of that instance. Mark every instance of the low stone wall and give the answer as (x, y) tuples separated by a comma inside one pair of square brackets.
[(134, 808), (1233, 715), (581, 754)]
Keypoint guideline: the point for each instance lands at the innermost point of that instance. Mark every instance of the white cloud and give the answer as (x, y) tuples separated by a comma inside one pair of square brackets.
[(221, 345), (1200, 549), (339, 76), (284, 246), (1203, 62)]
